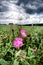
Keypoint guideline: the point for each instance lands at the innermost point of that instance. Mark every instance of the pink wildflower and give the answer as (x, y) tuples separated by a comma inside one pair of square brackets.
[(35, 50), (18, 38), (23, 33), (18, 42), (42, 51)]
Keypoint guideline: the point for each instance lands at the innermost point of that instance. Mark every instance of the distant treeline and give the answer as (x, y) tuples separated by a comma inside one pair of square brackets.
[(24, 24)]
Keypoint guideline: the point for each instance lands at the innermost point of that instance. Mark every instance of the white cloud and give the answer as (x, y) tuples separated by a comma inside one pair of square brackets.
[(17, 15)]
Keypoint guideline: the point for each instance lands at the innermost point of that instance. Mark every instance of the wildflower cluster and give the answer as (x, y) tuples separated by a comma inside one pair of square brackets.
[(18, 42)]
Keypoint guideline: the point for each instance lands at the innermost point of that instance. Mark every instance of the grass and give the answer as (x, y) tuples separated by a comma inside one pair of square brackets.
[(29, 29), (25, 55)]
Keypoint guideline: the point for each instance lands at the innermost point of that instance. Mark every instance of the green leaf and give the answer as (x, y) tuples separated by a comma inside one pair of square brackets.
[(34, 63), (23, 53), (25, 62), (16, 62), (3, 62), (17, 53), (31, 57), (30, 51)]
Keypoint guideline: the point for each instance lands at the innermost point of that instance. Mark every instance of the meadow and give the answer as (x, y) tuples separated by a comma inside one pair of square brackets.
[(28, 52)]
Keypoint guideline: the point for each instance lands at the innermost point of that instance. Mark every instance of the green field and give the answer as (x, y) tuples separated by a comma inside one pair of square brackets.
[(29, 29), (31, 53)]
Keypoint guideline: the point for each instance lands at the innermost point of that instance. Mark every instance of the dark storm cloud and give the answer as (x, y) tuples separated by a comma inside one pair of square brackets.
[(30, 11), (29, 1), (23, 1), (30, 6), (40, 10), (3, 8), (38, 4)]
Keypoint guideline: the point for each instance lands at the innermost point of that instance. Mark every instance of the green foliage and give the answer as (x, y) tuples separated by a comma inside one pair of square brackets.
[(9, 55), (15, 62), (25, 62), (3, 62)]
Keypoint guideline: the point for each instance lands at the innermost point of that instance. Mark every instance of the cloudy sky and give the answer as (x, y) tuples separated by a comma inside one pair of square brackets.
[(21, 11)]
